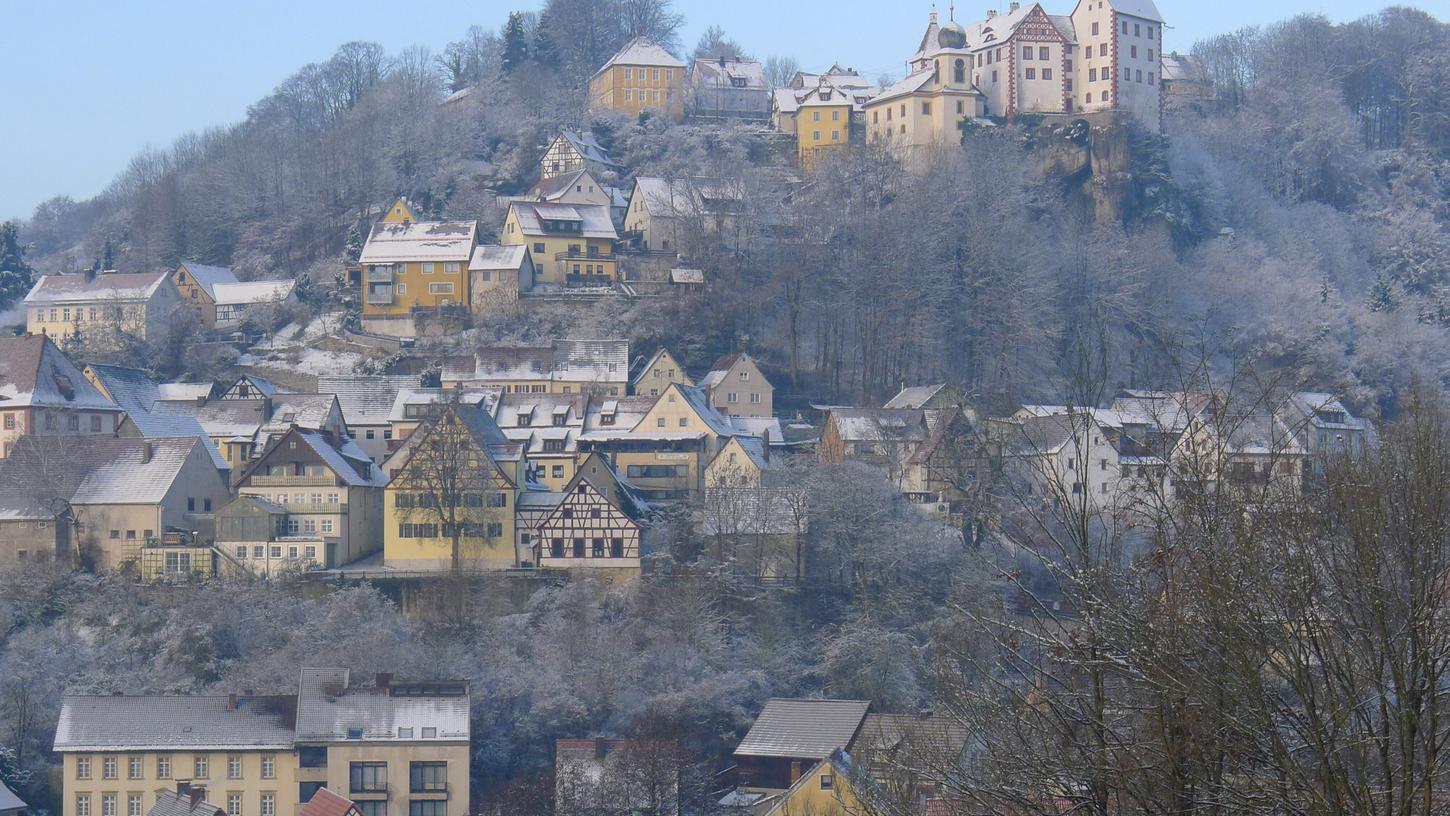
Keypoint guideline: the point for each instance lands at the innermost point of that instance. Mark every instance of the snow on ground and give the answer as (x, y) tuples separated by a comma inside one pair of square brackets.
[(293, 335)]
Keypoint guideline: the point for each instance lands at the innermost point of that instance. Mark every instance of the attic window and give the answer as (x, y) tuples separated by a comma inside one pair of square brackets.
[(429, 733), (828, 781), (63, 384), (354, 733)]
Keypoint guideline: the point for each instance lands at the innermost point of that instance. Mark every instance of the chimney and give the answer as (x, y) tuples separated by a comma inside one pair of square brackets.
[(765, 444), (231, 702), (183, 788), (146, 452), (722, 60), (383, 680), (1014, 6), (991, 13), (198, 793)]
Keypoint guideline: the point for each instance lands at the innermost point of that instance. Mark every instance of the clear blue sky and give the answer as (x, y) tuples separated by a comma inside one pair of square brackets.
[(89, 83)]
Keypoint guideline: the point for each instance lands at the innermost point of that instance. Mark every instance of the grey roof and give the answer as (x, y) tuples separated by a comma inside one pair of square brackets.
[(130, 388), (120, 476), (248, 292), (696, 397), (495, 257), (420, 241), (803, 729), (9, 801), (331, 709), (643, 51), (587, 146), (923, 735), (227, 419), (157, 426), (914, 396), (1040, 435), (183, 390), (34, 373), (303, 410), (85, 289), (881, 424), (713, 71), (1138, 8), (604, 361), (594, 219), (365, 400), (209, 276), (141, 723), (348, 461), (171, 803)]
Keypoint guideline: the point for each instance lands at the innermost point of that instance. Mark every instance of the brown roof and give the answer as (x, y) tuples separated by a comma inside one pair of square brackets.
[(327, 803)]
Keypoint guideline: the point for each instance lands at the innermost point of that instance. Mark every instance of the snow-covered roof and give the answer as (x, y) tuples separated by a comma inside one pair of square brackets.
[(662, 197), (222, 419), (1182, 68), (262, 291), (207, 277), (722, 72), (114, 287), (1144, 9), (594, 219), (183, 391), (347, 460), (758, 427), (130, 388), (34, 373), (586, 146), (115, 722), (683, 275), (365, 399), (420, 241), (642, 51), (909, 84), (881, 424), (331, 708), (914, 396)]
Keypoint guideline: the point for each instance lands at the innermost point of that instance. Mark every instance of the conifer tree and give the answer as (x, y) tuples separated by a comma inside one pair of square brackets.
[(515, 42), (546, 47), (16, 276)]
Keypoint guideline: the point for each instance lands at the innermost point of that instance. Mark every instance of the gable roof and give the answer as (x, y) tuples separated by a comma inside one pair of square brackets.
[(420, 241), (176, 803), (122, 473), (594, 219), (723, 71), (365, 399), (112, 286), (35, 373), (326, 803), (642, 51), (262, 291), (131, 389), (909, 84), (914, 396), (498, 258), (9, 801), (803, 729), (106, 722), (1144, 9), (880, 424), (207, 277), (229, 419), (586, 146)]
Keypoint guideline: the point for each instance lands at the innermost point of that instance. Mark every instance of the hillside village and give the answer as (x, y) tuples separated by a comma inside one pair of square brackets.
[(477, 515)]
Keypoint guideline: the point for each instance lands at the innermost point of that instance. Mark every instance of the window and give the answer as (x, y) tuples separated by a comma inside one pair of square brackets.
[(83, 767), (616, 548), (816, 135), (199, 767), (312, 756), (959, 72), (659, 422), (828, 781), (163, 767), (1047, 73), (628, 95), (1092, 76), (1027, 52), (1133, 51), (440, 288), (373, 807), (684, 422), (1138, 75), (234, 767), (629, 73), (83, 804), (1125, 26), (368, 777), (1031, 73), (557, 471), (539, 248), (427, 776), (269, 804), (430, 733), (1042, 53), (578, 548), (730, 397), (242, 551), (426, 807), (428, 268), (451, 266), (134, 769), (133, 804), (108, 804), (1102, 49), (835, 135), (95, 424), (9, 422), (1150, 77), (50, 422), (269, 766), (926, 109), (110, 767), (1137, 30), (234, 804)]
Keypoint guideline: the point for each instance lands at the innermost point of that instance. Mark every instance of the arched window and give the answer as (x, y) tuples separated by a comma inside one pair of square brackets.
[(959, 72)]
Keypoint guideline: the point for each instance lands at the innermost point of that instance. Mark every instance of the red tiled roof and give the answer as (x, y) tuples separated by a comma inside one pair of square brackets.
[(327, 803)]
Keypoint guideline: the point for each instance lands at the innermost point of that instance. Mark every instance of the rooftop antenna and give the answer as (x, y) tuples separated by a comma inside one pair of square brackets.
[(952, 11)]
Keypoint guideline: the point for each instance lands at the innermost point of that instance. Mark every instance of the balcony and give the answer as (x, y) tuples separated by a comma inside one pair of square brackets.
[(292, 480), (380, 274), (380, 295)]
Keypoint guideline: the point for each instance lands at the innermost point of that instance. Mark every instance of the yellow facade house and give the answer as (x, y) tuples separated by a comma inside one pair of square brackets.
[(652, 375), (139, 304), (411, 267), (570, 244), (197, 285), (642, 76), (823, 122), (450, 504), (828, 789), (660, 445), (389, 745)]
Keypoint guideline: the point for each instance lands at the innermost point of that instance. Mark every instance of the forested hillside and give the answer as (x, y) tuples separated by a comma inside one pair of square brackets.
[(1299, 217)]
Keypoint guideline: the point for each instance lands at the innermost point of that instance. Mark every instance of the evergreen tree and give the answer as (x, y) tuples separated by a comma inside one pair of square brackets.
[(515, 42), (108, 254), (546, 47), (16, 276), (1381, 297), (306, 289)]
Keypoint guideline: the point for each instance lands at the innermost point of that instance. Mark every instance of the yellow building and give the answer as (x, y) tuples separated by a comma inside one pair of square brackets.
[(457, 473), (823, 122), (924, 111), (826, 790), (410, 268), (652, 375), (570, 244), (642, 76), (267, 755), (138, 304), (660, 445), (197, 285)]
